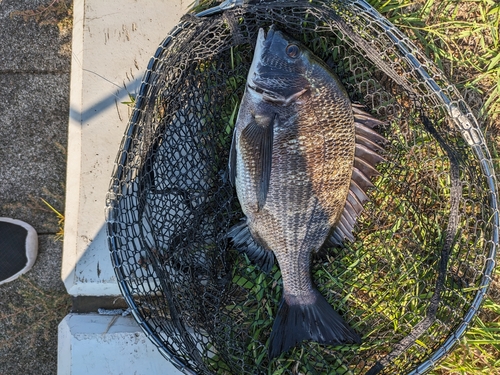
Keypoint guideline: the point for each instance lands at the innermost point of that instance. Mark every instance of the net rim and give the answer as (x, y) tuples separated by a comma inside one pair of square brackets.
[(459, 115)]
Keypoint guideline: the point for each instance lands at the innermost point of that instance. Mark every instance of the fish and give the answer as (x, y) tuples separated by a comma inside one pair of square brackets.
[(302, 158)]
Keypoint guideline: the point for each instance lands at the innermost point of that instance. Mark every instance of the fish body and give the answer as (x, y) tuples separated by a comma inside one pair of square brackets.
[(293, 157)]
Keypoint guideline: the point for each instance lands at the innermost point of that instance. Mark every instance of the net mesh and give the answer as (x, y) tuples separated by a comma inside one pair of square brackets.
[(425, 243)]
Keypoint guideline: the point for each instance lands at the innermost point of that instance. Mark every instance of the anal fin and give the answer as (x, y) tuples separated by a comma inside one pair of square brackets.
[(244, 242)]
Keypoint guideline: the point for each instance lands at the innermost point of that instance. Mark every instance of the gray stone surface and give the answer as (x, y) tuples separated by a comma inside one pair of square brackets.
[(27, 45), (34, 92), (31, 307), (48, 264), (33, 136)]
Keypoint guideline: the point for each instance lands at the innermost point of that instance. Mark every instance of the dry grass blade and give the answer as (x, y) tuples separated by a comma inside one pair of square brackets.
[(32, 314)]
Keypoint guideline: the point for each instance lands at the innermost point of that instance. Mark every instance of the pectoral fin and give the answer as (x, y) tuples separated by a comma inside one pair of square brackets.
[(232, 160), (257, 139)]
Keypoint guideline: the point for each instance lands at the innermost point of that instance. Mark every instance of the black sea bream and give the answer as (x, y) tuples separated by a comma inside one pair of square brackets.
[(301, 159)]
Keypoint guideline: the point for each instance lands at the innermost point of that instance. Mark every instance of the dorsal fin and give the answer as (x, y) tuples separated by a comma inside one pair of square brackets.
[(364, 118), (368, 145), (354, 202), (367, 155), (358, 192), (349, 210), (368, 133), (361, 179), (366, 168)]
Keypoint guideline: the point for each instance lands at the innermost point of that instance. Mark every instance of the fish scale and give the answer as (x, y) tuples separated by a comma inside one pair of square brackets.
[(296, 141)]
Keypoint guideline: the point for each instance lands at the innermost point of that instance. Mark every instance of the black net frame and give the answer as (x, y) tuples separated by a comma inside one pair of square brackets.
[(425, 246)]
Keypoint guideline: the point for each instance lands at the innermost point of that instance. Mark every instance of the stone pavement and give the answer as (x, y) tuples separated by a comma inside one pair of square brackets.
[(34, 106)]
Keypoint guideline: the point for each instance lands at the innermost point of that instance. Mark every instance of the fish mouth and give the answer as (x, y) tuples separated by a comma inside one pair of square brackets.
[(256, 63), (264, 40), (267, 38), (263, 43)]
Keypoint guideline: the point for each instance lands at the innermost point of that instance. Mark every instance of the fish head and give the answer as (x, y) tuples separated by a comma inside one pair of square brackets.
[(279, 69)]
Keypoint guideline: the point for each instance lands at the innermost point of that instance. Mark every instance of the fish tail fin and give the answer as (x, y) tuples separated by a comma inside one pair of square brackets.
[(316, 321)]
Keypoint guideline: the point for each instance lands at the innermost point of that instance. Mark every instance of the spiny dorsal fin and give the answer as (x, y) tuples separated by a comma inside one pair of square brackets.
[(364, 118), (367, 155), (354, 202), (358, 192), (349, 210), (368, 133), (368, 145), (361, 179), (366, 168)]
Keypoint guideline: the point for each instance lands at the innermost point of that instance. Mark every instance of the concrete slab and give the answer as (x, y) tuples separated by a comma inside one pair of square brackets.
[(112, 44), (31, 307), (33, 117), (107, 345), (27, 45), (34, 102)]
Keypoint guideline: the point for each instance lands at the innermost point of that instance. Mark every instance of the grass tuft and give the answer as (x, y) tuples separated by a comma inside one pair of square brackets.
[(57, 13), (60, 223), (463, 39), (31, 313)]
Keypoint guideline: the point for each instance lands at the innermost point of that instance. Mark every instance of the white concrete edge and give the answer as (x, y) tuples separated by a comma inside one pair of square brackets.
[(74, 144), (107, 345), (64, 346), (93, 289), (86, 266)]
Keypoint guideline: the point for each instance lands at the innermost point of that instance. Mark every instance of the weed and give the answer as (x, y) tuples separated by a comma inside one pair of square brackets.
[(461, 37), (32, 312), (57, 13), (479, 350), (131, 100), (60, 217)]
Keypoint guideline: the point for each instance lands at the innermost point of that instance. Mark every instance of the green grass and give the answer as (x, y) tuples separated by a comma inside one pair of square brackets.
[(478, 351), (462, 38)]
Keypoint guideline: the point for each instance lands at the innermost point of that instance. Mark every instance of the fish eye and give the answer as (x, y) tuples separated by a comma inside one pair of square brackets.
[(292, 50)]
